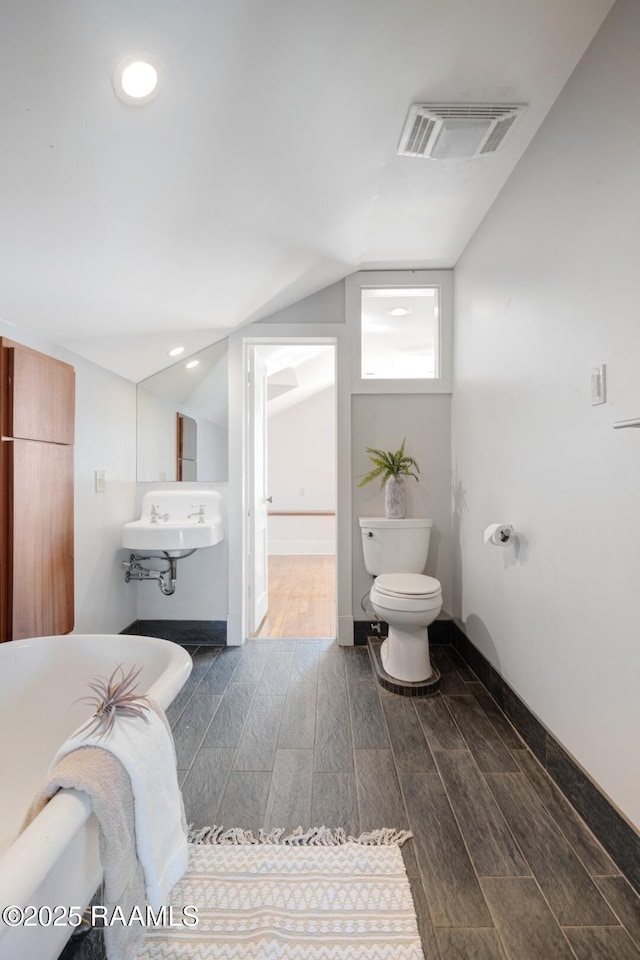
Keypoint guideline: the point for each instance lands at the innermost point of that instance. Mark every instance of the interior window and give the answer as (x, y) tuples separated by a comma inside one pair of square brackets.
[(400, 333)]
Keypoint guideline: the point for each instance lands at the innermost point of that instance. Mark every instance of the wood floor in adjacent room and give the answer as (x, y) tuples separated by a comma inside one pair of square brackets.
[(302, 600)]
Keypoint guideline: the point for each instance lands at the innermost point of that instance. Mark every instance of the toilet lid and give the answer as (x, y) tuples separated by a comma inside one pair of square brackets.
[(407, 585)]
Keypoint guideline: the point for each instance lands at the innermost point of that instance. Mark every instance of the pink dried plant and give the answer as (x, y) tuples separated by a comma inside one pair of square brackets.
[(115, 696)]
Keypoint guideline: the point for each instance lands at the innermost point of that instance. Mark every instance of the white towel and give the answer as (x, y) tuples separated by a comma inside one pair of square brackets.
[(105, 781), (147, 753)]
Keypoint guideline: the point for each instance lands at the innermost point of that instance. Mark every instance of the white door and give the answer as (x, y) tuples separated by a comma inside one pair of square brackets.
[(257, 580)]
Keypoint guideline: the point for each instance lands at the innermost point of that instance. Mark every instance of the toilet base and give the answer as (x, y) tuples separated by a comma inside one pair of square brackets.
[(402, 687), (405, 655)]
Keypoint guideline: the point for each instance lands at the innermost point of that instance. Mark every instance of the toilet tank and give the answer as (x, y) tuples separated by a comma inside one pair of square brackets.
[(395, 546)]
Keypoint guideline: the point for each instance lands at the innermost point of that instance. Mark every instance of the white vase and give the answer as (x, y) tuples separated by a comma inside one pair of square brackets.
[(395, 498)]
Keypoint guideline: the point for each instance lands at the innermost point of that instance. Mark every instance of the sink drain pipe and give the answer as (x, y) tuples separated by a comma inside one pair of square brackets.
[(165, 578)]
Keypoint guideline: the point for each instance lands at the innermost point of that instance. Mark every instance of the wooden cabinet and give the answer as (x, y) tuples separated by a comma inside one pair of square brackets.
[(37, 403)]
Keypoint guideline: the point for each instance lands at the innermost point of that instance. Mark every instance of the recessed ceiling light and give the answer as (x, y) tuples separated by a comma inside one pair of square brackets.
[(176, 351), (398, 312), (192, 363), (137, 79)]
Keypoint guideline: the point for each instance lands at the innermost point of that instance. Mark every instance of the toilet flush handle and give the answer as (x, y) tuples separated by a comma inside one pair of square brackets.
[(369, 533)]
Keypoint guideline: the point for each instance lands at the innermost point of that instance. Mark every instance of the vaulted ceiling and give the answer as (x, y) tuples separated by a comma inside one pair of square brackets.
[(265, 169)]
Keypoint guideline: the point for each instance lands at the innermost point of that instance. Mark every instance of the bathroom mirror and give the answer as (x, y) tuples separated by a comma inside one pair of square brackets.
[(190, 394)]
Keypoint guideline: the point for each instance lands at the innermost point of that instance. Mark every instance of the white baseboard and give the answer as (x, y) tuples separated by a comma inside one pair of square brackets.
[(345, 631)]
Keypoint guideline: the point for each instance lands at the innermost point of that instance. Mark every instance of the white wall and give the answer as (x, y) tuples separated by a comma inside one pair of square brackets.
[(213, 450), (549, 287), (156, 442), (382, 422), (325, 306), (105, 440), (302, 475), (299, 535)]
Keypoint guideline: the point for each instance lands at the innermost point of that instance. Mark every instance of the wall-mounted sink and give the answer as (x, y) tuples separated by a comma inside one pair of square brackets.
[(176, 522)]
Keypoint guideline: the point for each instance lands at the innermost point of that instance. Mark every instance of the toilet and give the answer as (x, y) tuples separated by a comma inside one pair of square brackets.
[(395, 553)]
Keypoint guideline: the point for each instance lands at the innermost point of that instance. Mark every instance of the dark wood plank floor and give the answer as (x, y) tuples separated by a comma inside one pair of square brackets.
[(286, 733), (293, 733)]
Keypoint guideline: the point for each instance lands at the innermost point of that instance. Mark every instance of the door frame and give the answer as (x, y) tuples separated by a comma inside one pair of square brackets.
[(238, 527), (257, 587)]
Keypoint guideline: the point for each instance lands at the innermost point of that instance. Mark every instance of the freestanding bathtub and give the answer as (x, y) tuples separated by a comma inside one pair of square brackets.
[(56, 860)]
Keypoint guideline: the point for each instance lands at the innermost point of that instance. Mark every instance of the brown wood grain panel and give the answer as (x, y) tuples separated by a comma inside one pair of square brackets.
[(188, 438), (6, 553), (41, 396), (186, 447), (6, 396), (6, 448), (42, 592)]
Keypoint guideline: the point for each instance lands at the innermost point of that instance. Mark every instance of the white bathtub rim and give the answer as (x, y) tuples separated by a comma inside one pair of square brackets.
[(161, 690)]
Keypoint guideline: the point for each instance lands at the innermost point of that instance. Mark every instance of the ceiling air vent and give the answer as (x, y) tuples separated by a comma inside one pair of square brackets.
[(451, 131)]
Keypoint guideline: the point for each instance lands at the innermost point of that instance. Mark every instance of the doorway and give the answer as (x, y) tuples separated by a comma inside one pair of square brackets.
[(291, 457)]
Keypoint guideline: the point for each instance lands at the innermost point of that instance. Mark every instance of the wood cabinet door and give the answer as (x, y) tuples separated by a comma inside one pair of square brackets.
[(42, 539), (40, 395), (6, 473)]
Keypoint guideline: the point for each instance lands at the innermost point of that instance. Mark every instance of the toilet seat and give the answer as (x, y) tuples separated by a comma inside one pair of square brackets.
[(406, 593), (407, 586)]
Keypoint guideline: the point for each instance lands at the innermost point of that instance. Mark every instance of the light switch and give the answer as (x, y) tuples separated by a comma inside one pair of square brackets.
[(598, 384), (101, 481)]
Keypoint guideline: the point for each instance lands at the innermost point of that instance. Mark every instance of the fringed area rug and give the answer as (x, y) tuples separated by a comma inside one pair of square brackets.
[(318, 895)]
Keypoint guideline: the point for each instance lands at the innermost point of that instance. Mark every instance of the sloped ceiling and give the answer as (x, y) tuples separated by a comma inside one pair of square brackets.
[(266, 168)]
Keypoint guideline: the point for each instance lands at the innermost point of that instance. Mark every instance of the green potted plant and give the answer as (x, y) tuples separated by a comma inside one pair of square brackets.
[(392, 470)]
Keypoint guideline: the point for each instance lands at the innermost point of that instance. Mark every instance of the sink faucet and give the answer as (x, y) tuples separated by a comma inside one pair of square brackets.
[(199, 513), (156, 515)]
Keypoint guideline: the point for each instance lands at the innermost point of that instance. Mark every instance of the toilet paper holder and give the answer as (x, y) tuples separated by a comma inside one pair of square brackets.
[(499, 534)]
